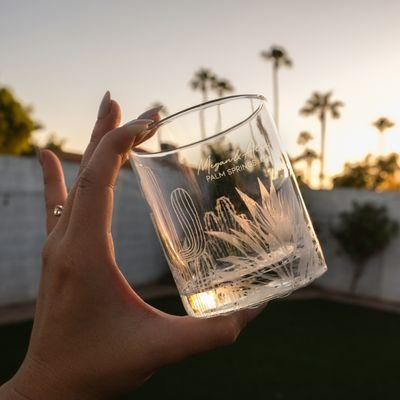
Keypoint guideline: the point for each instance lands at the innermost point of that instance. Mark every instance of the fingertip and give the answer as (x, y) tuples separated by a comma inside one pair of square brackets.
[(137, 126), (50, 162), (42, 156), (156, 118), (109, 122), (153, 113), (135, 129), (122, 139), (115, 112), (46, 154)]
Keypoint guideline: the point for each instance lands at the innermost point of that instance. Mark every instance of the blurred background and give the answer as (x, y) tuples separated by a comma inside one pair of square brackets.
[(330, 73)]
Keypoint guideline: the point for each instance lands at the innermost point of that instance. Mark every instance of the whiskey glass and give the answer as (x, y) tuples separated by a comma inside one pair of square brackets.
[(226, 206)]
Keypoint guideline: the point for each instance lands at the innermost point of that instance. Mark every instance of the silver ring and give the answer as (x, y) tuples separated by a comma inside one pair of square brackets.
[(58, 209)]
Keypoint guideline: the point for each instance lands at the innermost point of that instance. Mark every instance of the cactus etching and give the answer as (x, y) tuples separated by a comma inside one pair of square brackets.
[(270, 238), (194, 241)]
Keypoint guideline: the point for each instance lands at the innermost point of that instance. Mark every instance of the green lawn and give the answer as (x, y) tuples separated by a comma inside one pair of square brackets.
[(303, 349)]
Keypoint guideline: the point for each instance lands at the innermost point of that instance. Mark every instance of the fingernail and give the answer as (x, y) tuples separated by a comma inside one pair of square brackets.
[(151, 112), (104, 105), (139, 122), (39, 155)]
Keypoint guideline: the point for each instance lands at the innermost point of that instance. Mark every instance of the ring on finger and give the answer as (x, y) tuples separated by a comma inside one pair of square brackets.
[(58, 209)]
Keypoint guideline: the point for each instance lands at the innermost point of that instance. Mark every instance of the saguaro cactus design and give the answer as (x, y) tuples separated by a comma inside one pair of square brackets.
[(272, 239), (194, 241)]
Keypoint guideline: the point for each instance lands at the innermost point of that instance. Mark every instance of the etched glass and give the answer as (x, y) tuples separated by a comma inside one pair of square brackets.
[(226, 206)]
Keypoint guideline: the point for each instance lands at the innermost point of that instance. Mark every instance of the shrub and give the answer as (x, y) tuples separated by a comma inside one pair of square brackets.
[(363, 232)]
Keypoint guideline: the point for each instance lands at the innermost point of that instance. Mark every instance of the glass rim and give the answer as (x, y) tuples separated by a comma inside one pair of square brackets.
[(198, 107)]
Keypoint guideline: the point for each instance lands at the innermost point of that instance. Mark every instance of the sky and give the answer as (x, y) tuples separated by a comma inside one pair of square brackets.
[(60, 57)]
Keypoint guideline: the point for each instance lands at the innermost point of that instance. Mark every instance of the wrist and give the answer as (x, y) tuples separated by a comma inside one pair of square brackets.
[(35, 381), (8, 391)]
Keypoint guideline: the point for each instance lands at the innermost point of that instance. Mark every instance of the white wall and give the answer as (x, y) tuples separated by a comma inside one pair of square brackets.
[(22, 229), (137, 248), (382, 275)]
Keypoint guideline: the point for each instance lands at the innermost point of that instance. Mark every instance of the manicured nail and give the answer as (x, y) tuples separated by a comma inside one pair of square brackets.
[(139, 122), (105, 105), (39, 154), (153, 111)]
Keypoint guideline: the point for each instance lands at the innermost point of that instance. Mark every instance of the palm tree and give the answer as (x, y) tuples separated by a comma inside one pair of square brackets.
[(382, 124), (304, 137), (279, 57), (309, 156), (203, 80), (321, 104), (221, 86), (164, 110), (163, 113)]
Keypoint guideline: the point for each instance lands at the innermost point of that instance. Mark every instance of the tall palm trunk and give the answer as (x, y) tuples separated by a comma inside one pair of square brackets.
[(219, 124), (201, 115), (381, 143), (276, 92), (309, 162), (322, 155), (251, 124)]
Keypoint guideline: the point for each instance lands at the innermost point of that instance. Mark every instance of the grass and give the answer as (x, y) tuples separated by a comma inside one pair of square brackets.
[(305, 349)]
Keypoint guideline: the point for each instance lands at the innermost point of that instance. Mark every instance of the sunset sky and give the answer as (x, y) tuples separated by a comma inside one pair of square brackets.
[(61, 57)]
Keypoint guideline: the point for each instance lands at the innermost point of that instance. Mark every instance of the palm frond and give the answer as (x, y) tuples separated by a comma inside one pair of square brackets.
[(320, 103), (202, 78), (266, 54), (304, 137), (278, 54), (383, 123), (308, 109)]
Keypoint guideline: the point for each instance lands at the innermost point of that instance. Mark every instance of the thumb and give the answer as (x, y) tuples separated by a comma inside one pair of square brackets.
[(186, 336)]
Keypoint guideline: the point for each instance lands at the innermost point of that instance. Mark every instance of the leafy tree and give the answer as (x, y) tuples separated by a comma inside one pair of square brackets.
[(55, 144), (321, 104), (372, 173), (363, 232), (279, 58), (16, 124)]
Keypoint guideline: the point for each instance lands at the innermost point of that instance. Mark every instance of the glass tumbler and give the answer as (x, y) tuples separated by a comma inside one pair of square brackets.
[(226, 206)]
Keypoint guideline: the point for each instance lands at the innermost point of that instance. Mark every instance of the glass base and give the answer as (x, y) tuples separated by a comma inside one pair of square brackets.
[(245, 292)]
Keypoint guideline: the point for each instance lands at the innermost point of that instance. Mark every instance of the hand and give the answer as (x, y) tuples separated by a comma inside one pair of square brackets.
[(93, 337)]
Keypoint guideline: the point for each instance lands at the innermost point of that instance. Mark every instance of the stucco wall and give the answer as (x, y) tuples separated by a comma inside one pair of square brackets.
[(22, 229), (137, 248), (382, 274)]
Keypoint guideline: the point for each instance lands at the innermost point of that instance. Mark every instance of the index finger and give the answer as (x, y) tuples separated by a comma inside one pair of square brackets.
[(92, 208)]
